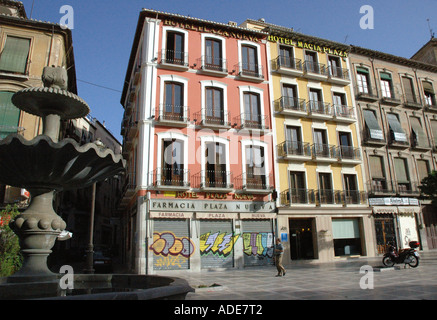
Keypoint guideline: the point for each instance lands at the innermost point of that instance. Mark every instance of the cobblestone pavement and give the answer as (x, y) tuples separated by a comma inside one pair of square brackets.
[(315, 281)]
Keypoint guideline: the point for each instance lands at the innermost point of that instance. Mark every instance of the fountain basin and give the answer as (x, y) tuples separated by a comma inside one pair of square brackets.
[(100, 287)]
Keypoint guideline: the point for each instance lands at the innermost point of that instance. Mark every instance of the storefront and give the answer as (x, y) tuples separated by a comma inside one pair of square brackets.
[(194, 235), (395, 222)]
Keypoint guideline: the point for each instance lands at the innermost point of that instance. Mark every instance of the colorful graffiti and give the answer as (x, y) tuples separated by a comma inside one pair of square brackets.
[(220, 244), (166, 243), (258, 244)]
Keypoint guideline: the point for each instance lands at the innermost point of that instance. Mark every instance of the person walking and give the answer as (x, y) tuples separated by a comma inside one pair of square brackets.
[(279, 251)]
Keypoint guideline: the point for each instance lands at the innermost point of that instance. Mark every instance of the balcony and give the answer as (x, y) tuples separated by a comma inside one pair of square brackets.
[(288, 66), (256, 184), (324, 152), (294, 150), (328, 196), (172, 115), (375, 139), (407, 188), (349, 197), (249, 71), (338, 75), (297, 196), (291, 106), (213, 118), (252, 122), (315, 71), (170, 179), (128, 188), (319, 110), (398, 140), (410, 101), (213, 181), (349, 155), (366, 93), (380, 187), (391, 97), (174, 60), (213, 66), (344, 114)]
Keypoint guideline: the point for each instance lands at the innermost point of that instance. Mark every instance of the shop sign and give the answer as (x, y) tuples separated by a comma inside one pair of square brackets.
[(307, 45), (393, 202), (210, 206)]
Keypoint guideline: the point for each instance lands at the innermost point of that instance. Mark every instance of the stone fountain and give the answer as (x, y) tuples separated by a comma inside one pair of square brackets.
[(44, 166)]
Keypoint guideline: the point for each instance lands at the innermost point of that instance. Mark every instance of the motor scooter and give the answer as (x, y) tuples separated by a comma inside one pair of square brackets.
[(406, 256)]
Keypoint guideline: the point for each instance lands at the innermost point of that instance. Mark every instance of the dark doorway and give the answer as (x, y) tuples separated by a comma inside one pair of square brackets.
[(301, 239)]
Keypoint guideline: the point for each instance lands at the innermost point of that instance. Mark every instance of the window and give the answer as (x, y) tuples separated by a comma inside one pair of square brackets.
[(252, 110), (373, 130), (386, 85), (175, 51), (429, 93), (298, 191), (410, 96), (340, 105), (214, 106), (286, 58), (334, 65), (9, 115), (346, 148), (15, 54), (250, 61), (423, 169), (293, 140), (172, 169), (402, 177), (376, 166), (213, 55), (363, 80), (419, 138), (174, 100), (397, 134), (351, 192), (311, 64), (315, 101), (434, 131), (289, 97), (216, 175), (255, 167), (326, 194), (321, 147)]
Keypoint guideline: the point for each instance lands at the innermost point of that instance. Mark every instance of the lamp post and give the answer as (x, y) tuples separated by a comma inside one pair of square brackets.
[(89, 262)]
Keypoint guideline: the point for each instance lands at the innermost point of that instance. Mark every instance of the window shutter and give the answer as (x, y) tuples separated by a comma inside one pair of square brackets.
[(376, 167), (401, 170), (14, 55), (9, 115)]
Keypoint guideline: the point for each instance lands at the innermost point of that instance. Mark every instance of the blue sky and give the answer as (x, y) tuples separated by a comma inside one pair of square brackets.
[(104, 30)]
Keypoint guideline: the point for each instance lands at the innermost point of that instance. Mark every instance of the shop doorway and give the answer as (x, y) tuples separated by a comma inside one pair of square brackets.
[(301, 239), (385, 232)]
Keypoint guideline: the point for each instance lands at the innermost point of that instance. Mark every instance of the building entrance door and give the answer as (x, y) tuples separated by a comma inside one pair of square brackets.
[(385, 232), (301, 239)]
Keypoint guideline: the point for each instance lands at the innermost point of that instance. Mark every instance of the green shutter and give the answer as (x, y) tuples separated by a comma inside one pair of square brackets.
[(401, 170), (9, 115), (345, 229), (14, 55), (385, 76), (362, 70)]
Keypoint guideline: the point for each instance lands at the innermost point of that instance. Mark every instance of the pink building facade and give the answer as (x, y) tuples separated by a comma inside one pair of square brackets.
[(199, 144)]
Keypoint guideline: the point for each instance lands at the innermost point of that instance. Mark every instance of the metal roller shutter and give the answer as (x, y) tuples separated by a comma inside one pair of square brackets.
[(258, 242), (217, 244), (172, 246)]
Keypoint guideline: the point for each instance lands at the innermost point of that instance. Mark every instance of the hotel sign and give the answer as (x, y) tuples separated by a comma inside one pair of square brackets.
[(211, 206), (307, 45), (212, 29)]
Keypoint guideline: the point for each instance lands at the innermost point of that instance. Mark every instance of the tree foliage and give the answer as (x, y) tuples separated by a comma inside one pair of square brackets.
[(429, 187), (10, 256)]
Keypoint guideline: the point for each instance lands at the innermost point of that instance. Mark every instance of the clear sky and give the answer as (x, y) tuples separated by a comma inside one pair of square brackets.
[(104, 30)]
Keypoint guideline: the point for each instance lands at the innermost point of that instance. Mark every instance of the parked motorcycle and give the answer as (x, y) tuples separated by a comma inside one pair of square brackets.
[(407, 256)]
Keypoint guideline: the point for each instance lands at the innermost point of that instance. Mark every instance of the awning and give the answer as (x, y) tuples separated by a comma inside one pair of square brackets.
[(255, 215), (422, 139), (409, 210), (372, 125), (385, 210), (216, 215), (427, 86), (396, 127)]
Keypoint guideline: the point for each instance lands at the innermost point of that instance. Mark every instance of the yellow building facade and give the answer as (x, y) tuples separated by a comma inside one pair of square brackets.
[(323, 212)]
